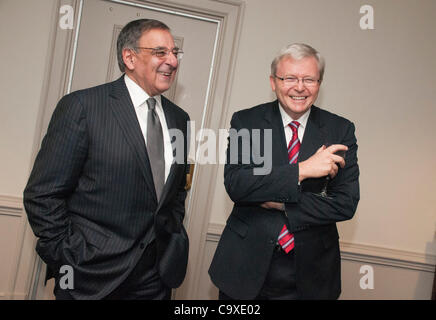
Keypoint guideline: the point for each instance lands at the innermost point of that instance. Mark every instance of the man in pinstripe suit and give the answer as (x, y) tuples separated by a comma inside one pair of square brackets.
[(94, 198)]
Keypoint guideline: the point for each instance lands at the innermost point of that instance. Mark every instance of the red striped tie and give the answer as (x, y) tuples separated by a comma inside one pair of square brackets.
[(286, 239)]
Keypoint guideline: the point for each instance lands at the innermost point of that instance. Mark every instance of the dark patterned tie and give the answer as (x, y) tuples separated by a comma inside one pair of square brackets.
[(155, 147), (286, 239)]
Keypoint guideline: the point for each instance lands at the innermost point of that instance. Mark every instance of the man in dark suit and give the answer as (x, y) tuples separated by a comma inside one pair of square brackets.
[(105, 196), (281, 240)]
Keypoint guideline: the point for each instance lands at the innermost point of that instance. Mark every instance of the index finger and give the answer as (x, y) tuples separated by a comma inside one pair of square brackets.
[(337, 147)]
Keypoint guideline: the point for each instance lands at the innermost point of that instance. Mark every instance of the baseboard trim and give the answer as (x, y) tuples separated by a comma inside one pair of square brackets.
[(13, 296), (387, 256), (368, 254), (11, 206)]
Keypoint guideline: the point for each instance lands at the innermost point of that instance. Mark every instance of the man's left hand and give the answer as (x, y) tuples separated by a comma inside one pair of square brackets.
[(273, 205)]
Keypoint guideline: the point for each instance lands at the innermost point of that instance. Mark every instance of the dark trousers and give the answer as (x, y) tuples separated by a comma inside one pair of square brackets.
[(143, 283), (280, 282)]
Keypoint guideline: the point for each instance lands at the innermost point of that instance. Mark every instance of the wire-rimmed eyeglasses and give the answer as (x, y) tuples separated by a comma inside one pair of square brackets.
[(293, 81), (162, 52)]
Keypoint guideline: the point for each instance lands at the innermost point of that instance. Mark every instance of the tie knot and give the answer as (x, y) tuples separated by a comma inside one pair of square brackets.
[(294, 126), (151, 102)]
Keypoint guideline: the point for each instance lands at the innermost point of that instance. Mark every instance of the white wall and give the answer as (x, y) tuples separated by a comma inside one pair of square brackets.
[(24, 33)]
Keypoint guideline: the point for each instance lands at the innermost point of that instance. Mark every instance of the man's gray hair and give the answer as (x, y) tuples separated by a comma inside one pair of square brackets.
[(130, 34), (299, 51)]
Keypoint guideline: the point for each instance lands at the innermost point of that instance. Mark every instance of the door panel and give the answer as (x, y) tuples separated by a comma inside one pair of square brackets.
[(96, 61)]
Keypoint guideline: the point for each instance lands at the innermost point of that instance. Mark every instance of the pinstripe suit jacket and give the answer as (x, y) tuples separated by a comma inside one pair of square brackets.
[(90, 198)]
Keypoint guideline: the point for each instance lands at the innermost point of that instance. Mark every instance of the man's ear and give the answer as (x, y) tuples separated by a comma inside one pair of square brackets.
[(129, 58), (272, 82)]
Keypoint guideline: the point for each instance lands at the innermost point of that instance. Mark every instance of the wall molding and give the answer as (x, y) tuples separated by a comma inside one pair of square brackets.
[(387, 256), (12, 209), (11, 206), (364, 253), (13, 296)]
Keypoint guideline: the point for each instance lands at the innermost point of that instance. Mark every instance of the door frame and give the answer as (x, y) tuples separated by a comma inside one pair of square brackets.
[(228, 15)]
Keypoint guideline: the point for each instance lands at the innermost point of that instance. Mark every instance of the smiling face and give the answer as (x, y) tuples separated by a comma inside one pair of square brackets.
[(296, 99), (153, 74)]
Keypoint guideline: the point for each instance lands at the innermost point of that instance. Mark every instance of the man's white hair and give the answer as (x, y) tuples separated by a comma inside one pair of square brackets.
[(299, 51)]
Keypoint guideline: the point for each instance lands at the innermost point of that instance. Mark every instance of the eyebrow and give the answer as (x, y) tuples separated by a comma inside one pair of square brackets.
[(294, 76), (161, 47)]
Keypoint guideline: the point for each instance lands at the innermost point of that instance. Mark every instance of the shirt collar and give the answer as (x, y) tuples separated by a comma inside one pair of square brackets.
[(137, 94), (287, 119)]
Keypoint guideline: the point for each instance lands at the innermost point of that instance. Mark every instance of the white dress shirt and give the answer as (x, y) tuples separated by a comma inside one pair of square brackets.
[(287, 119), (139, 99), (288, 131)]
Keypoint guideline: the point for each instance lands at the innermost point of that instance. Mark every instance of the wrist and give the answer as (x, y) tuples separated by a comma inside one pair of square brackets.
[(301, 172)]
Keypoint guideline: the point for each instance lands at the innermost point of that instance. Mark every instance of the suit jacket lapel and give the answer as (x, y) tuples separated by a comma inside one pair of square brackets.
[(314, 135), (279, 147), (124, 112)]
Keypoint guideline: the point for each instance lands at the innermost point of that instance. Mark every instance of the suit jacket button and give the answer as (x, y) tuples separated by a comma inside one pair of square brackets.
[(142, 246)]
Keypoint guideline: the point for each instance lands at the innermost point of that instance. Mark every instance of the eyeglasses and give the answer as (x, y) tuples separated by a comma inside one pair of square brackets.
[(162, 52), (293, 81)]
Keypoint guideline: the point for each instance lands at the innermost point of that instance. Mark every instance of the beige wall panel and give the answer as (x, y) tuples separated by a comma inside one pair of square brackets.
[(390, 283), (24, 33), (207, 289), (10, 242)]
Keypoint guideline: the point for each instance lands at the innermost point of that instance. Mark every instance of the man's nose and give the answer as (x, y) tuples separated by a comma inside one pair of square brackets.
[(172, 60), (300, 86)]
